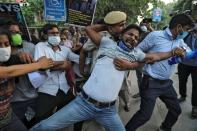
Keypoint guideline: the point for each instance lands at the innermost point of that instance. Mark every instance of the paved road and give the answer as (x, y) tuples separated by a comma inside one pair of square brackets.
[(185, 123)]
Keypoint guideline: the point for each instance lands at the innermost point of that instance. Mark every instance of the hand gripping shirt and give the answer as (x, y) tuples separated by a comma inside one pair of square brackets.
[(105, 81)]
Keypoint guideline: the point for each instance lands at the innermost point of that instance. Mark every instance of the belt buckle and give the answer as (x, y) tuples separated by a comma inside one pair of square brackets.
[(97, 104), (103, 105)]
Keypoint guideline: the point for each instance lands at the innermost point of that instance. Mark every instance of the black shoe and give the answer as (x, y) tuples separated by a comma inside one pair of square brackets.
[(136, 95), (182, 99), (194, 112)]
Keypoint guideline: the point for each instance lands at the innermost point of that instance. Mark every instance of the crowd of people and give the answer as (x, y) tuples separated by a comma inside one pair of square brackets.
[(84, 71)]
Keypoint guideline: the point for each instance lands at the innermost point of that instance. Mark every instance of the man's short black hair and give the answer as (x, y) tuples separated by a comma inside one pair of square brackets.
[(182, 19), (132, 26), (100, 21), (5, 32), (147, 20), (9, 23), (48, 27)]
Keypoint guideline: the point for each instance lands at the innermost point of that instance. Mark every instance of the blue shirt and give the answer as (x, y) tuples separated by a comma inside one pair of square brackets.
[(191, 41), (160, 41)]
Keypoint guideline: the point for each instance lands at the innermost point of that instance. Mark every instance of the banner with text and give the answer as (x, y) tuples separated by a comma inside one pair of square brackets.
[(81, 12), (12, 12), (157, 13), (55, 10)]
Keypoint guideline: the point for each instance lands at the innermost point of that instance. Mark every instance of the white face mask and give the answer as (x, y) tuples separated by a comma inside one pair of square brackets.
[(144, 28), (5, 54), (54, 40)]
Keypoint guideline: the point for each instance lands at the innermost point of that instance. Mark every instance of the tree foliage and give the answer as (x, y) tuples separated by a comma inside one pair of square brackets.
[(134, 8), (182, 5), (166, 9), (33, 12)]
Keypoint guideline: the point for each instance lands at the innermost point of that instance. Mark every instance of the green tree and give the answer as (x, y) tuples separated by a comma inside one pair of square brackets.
[(182, 5), (132, 7), (166, 9), (33, 12), (135, 8)]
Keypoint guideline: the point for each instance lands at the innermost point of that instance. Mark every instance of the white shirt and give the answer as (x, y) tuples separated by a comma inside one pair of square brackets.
[(105, 81), (57, 79)]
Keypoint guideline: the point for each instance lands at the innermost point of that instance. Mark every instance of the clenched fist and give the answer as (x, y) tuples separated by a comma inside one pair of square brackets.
[(45, 63), (179, 51)]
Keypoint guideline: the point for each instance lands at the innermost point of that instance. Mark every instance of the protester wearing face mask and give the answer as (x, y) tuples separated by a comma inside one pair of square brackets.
[(145, 25), (65, 41), (56, 88), (25, 94), (18, 44), (99, 93), (8, 120), (187, 67), (156, 82)]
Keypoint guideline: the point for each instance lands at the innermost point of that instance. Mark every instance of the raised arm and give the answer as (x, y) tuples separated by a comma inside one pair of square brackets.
[(93, 32)]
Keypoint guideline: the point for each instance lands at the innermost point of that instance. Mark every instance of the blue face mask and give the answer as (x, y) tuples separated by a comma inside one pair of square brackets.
[(182, 35), (123, 46)]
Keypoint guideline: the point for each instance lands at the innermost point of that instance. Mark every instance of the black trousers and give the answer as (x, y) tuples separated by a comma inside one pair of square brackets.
[(183, 73), (20, 108), (45, 105), (150, 90), (14, 125)]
